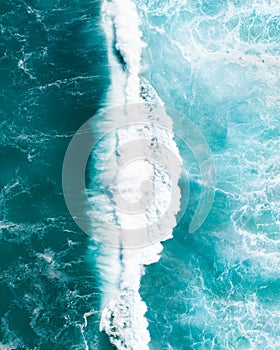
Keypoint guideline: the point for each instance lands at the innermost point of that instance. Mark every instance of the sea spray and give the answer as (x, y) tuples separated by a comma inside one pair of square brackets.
[(130, 240), (121, 23), (121, 269)]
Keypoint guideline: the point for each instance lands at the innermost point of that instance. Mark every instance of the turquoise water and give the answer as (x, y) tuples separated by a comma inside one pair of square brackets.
[(217, 62)]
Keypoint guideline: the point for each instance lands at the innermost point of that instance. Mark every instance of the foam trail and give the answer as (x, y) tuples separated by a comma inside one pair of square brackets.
[(120, 270), (121, 23)]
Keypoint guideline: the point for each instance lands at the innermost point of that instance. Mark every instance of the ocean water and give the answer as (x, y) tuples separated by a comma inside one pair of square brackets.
[(216, 63), (53, 74)]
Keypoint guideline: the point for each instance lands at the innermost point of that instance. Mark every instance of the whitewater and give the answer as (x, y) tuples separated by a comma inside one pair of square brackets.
[(121, 268)]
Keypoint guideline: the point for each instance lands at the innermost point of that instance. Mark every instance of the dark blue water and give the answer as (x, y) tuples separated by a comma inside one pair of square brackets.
[(53, 75)]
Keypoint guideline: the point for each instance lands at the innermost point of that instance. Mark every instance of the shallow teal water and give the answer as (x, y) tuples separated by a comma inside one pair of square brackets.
[(217, 62), (219, 65)]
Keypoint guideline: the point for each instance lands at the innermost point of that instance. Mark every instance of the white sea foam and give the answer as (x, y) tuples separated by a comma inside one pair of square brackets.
[(123, 311), (120, 270), (121, 25)]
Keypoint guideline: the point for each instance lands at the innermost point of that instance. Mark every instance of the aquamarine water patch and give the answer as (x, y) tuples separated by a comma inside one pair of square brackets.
[(221, 67)]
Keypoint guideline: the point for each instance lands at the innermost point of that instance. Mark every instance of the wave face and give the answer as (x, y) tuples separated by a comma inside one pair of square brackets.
[(218, 64), (120, 269)]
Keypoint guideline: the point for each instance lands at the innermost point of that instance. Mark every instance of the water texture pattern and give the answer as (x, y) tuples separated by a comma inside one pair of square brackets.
[(216, 63)]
